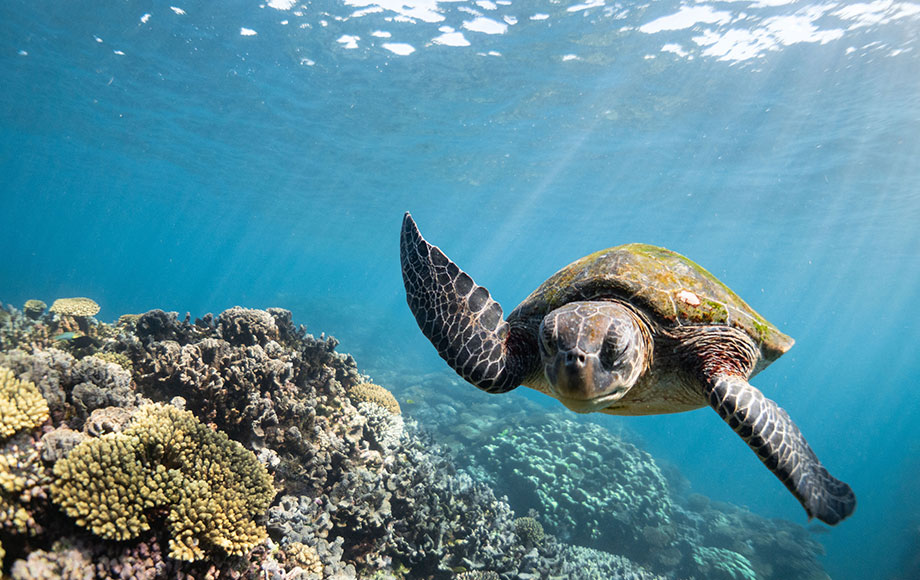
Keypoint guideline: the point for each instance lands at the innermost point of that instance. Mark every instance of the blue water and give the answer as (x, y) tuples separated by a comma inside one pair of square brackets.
[(215, 154)]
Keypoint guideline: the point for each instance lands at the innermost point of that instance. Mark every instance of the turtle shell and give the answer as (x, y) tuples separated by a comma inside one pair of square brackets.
[(669, 288)]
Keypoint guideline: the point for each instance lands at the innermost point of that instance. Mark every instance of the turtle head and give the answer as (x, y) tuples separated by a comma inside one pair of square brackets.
[(593, 353)]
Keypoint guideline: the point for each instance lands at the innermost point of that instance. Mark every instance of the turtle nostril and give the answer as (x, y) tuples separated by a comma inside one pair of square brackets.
[(575, 358)]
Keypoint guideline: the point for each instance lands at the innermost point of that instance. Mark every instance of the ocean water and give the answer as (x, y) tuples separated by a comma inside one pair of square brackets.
[(201, 155)]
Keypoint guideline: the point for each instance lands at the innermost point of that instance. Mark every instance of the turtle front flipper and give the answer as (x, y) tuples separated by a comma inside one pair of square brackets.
[(772, 435), (459, 317)]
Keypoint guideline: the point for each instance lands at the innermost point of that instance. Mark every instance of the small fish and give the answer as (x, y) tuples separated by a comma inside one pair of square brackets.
[(410, 401), (66, 336)]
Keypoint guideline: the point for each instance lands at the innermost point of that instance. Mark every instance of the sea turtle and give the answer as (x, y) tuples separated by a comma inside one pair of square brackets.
[(631, 330)]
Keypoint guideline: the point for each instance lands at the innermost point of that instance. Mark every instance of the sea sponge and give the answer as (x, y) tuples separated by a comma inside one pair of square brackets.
[(21, 405), (210, 487), (34, 308), (371, 393), (77, 307)]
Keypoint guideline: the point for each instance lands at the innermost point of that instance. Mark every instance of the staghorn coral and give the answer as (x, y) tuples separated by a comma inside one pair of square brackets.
[(21, 405), (211, 487), (371, 393)]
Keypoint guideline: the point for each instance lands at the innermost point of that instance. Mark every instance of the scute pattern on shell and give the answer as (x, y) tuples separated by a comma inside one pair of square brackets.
[(658, 282)]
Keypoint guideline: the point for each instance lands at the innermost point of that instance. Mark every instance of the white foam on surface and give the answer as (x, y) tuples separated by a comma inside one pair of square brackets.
[(485, 25), (400, 48), (424, 10), (247, 32), (686, 17), (281, 4), (348, 41), (451, 39)]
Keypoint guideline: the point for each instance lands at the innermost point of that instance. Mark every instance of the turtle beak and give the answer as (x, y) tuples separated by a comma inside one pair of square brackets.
[(572, 374)]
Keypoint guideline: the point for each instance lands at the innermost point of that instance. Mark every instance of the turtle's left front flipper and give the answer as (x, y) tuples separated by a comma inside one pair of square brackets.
[(459, 317), (772, 435)]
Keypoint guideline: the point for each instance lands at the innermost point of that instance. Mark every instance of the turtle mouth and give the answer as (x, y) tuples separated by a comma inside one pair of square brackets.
[(591, 405)]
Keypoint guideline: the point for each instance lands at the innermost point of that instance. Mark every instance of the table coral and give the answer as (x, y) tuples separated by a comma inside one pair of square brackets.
[(212, 488), (21, 405), (76, 307)]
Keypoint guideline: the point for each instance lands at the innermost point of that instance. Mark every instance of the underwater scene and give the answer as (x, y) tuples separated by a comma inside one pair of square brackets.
[(378, 289)]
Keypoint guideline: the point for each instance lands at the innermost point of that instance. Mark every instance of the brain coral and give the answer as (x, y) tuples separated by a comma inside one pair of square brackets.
[(371, 393), (209, 486), (21, 405), (74, 307)]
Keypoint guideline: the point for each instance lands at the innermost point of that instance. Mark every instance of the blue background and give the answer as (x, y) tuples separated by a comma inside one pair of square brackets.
[(202, 169)]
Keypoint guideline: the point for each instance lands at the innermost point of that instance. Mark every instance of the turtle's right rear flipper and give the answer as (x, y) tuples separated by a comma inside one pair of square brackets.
[(459, 318), (777, 441)]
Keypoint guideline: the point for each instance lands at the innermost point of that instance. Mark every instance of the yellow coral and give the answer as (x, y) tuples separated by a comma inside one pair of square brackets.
[(117, 358), (304, 557), (371, 393), (74, 307), (210, 487), (21, 405), (34, 308), (20, 471)]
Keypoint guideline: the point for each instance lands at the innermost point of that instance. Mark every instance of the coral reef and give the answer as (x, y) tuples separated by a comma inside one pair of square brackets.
[(588, 485), (210, 487), (34, 308), (371, 393), (21, 405), (116, 483), (593, 487), (529, 530), (76, 307)]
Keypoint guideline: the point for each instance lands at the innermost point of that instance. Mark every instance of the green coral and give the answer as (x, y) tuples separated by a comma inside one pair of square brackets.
[(210, 487), (21, 405)]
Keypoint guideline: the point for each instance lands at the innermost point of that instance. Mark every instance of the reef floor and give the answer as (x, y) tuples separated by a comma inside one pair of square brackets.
[(239, 446)]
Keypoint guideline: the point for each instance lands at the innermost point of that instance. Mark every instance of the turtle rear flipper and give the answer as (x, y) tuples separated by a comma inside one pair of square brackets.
[(776, 440), (459, 317)]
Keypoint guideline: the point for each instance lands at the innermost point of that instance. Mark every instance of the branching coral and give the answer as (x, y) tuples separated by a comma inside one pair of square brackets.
[(21, 405), (212, 488)]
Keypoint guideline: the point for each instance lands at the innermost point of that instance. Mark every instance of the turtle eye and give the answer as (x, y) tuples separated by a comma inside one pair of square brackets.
[(611, 352)]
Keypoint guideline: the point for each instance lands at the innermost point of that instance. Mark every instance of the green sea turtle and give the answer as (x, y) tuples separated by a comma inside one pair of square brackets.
[(631, 330)]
